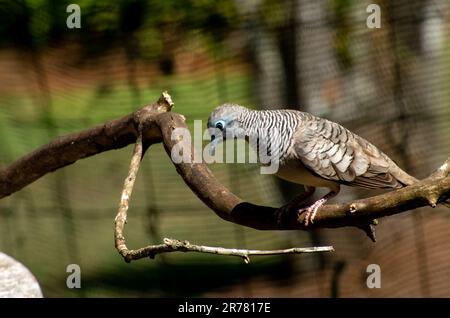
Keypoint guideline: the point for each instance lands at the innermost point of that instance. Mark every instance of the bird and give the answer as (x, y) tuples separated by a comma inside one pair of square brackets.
[(312, 151)]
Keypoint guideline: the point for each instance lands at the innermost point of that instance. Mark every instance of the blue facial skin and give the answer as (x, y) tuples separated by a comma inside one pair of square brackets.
[(219, 127)]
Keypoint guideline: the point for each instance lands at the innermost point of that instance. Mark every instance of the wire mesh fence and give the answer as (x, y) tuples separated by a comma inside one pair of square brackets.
[(388, 84)]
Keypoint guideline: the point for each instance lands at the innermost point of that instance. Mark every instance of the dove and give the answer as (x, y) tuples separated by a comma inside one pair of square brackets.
[(311, 151)]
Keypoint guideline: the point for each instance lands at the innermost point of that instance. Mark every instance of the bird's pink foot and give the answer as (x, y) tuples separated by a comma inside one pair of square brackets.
[(311, 211)]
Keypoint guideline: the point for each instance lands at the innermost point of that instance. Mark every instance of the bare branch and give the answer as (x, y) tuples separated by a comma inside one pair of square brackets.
[(173, 245), (121, 217), (66, 150)]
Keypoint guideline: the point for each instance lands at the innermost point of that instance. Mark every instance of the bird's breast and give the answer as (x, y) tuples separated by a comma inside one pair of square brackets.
[(294, 171)]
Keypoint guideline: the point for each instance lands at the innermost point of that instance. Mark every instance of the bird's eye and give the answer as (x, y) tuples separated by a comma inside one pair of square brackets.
[(220, 124)]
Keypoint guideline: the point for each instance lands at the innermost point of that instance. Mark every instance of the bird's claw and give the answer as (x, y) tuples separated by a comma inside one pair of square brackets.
[(311, 211)]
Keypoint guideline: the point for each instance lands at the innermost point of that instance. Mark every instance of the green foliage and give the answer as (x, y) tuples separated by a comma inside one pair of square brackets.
[(40, 23)]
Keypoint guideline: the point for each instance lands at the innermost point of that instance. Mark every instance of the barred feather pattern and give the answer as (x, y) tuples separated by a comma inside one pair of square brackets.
[(272, 130), (325, 148)]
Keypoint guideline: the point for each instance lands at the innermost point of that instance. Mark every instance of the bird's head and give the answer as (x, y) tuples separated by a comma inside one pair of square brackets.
[(224, 122)]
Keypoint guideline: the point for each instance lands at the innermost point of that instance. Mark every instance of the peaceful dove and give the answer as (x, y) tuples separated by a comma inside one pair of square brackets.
[(311, 151)]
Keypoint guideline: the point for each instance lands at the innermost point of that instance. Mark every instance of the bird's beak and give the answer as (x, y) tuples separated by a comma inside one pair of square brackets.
[(213, 144), (216, 137)]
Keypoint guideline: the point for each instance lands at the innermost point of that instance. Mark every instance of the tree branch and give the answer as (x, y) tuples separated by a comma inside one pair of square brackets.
[(158, 122)]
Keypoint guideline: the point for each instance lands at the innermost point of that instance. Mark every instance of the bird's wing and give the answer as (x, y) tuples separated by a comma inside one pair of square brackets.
[(333, 152)]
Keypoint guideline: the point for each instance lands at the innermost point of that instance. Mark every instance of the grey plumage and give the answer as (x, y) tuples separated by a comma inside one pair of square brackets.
[(313, 151), (324, 147)]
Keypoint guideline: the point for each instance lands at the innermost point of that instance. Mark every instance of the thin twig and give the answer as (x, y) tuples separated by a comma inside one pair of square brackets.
[(121, 217), (173, 245)]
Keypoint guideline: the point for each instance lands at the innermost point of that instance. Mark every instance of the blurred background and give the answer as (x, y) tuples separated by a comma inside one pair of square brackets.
[(388, 84)]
